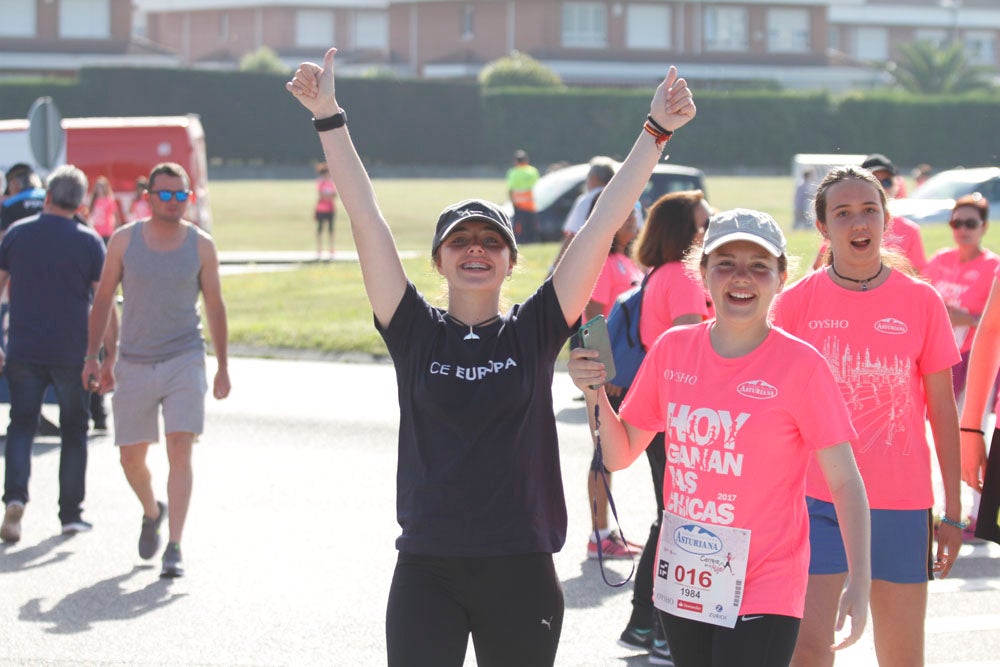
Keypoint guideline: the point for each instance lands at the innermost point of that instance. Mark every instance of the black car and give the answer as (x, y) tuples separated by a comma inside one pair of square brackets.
[(556, 191)]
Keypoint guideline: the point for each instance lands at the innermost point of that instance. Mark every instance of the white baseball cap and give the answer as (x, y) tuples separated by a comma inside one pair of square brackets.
[(743, 224)]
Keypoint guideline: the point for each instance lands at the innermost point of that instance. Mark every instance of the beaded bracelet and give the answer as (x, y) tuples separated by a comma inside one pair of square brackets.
[(972, 430), (961, 525)]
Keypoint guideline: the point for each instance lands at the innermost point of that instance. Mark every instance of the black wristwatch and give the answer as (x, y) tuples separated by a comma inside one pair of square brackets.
[(332, 123)]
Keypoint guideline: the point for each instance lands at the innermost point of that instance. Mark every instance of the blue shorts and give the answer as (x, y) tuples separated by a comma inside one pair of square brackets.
[(901, 543)]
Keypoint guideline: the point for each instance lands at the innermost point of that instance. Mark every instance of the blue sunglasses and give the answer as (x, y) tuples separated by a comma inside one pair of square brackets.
[(165, 195)]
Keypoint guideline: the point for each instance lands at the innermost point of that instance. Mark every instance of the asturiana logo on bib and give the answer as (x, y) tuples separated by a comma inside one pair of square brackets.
[(757, 389), (696, 540), (891, 325)]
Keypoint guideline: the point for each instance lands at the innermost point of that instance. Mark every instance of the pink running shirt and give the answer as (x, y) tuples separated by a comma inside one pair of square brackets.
[(618, 275), (963, 285), (879, 345), (671, 292), (904, 235), (327, 190), (739, 437)]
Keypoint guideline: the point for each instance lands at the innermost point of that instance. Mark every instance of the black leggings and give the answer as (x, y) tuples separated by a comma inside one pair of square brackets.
[(512, 605), (763, 640)]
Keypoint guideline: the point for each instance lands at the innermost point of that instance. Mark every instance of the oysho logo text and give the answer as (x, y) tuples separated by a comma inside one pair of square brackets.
[(671, 375), (829, 324)]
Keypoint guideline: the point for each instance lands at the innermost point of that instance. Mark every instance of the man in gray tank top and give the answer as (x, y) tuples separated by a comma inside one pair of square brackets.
[(162, 263)]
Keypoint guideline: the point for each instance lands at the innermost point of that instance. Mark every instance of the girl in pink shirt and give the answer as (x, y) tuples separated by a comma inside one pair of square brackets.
[(744, 407), (673, 296), (104, 215), (326, 208), (886, 337)]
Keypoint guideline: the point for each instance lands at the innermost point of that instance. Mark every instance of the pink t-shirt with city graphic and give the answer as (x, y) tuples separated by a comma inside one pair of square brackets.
[(879, 344), (963, 285), (739, 437), (670, 293)]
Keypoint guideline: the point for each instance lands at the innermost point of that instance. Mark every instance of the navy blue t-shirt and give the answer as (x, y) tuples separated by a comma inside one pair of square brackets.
[(478, 471), (53, 263)]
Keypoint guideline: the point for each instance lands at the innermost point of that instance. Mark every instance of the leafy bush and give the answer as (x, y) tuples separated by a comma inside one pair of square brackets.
[(263, 61), (518, 70)]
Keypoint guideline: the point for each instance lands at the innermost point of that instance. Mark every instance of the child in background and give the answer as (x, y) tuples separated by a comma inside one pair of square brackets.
[(326, 207)]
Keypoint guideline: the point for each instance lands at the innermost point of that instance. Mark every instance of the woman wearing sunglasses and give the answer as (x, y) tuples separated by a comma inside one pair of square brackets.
[(963, 275)]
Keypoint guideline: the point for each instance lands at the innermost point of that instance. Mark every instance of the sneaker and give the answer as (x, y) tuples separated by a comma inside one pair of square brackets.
[(659, 653), (100, 423), (639, 639), (172, 565), (149, 536), (74, 527), (10, 531), (613, 547)]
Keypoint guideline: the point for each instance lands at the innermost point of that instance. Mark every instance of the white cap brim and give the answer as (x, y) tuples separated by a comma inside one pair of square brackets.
[(715, 244)]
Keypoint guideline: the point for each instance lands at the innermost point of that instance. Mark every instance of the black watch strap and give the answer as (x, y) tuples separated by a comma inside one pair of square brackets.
[(332, 123)]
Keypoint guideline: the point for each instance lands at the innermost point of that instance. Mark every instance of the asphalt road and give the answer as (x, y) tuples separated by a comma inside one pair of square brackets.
[(289, 544)]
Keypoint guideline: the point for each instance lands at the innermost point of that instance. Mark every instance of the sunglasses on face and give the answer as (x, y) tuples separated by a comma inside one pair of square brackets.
[(166, 195), (887, 182), (968, 223)]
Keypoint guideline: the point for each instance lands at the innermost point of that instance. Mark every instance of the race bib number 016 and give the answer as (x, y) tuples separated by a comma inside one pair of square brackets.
[(701, 569)]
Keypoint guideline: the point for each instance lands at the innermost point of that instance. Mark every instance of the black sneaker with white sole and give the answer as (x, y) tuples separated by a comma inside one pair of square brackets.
[(173, 567)]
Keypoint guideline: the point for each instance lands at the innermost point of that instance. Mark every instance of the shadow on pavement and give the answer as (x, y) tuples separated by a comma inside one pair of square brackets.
[(104, 601), (30, 558), (589, 590)]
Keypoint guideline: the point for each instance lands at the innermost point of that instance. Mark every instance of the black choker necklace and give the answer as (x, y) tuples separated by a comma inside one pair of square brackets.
[(864, 282), (472, 335)]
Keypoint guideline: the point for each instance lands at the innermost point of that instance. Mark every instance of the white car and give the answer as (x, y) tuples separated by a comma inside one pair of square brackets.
[(934, 199)]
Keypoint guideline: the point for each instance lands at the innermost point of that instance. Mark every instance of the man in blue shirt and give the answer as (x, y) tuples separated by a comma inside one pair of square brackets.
[(53, 263)]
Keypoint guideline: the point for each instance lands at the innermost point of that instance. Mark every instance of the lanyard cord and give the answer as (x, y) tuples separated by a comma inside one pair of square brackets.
[(611, 504)]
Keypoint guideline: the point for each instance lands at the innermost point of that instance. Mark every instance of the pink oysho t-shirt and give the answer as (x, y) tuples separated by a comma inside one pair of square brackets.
[(327, 191), (739, 437), (879, 344), (963, 285), (671, 292), (618, 274), (102, 216)]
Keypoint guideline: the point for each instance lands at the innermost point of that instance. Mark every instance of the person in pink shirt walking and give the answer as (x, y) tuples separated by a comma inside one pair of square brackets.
[(744, 407), (963, 275), (105, 216), (886, 337)]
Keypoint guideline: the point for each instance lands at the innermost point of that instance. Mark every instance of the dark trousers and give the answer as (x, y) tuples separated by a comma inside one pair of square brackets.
[(511, 605), (27, 383)]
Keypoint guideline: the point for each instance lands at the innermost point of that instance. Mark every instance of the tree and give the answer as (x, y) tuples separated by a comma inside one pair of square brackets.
[(927, 70), (265, 61), (518, 70)]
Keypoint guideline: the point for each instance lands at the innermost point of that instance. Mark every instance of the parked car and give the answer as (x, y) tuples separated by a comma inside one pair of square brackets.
[(933, 200), (556, 191)]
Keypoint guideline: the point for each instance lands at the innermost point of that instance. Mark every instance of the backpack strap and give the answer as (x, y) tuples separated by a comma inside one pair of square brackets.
[(638, 314)]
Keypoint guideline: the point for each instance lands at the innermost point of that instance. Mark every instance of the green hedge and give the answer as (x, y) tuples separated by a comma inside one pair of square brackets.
[(248, 117)]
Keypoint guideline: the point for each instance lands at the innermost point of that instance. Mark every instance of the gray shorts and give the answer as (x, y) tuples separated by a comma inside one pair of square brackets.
[(178, 384)]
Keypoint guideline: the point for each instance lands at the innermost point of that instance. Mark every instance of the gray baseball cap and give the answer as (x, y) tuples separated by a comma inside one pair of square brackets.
[(743, 224)]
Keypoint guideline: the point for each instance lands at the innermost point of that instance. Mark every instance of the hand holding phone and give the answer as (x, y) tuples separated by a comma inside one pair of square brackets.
[(594, 336)]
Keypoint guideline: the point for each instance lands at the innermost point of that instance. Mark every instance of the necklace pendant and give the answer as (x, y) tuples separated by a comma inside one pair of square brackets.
[(472, 335), (864, 286)]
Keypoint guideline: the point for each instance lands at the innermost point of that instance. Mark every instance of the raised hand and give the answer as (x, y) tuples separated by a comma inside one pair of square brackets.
[(673, 105), (312, 85)]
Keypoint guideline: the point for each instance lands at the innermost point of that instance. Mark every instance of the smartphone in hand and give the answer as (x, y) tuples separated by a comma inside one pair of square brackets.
[(594, 336)]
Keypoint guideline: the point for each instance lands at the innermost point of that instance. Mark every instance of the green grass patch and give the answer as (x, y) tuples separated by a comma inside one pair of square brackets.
[(323, 308)]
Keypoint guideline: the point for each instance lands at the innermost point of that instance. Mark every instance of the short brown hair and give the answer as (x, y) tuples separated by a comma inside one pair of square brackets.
[(977, 201), (670, 228), (169, 169)]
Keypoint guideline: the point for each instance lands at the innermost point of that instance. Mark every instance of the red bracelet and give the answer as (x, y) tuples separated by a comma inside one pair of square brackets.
[(660, 137)]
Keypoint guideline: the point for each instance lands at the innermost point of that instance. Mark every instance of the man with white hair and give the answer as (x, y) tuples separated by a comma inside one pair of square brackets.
[(53, 263)]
